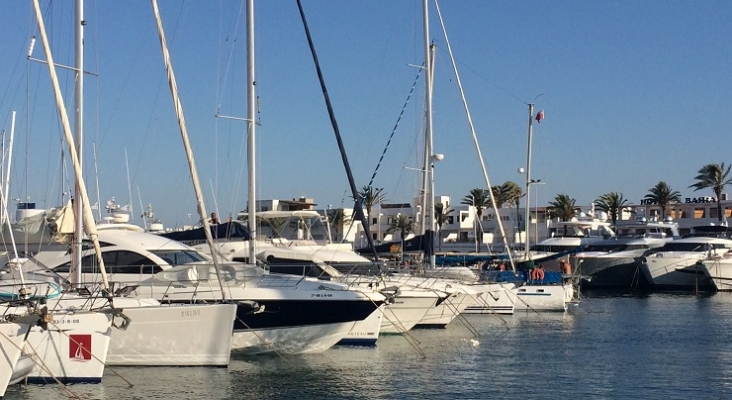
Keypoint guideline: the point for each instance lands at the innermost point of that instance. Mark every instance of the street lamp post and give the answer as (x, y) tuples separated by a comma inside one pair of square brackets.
[(378, 227)]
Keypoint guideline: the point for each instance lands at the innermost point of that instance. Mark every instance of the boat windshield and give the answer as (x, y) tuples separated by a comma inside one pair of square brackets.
[(688, 247), (610, 248), (179, 257), (547, 248)]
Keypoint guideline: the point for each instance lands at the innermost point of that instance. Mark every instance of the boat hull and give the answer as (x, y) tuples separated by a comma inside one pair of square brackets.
[(529, 298), (73, 349), (450, 306), (679, 273), (12, 339), (611, 272), (719, 271), (366, 332), (406, 310), (175, 335), (494, 298)]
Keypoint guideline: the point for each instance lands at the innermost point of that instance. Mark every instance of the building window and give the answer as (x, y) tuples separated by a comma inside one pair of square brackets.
[(450, 220), (699, 213), (713, 212)]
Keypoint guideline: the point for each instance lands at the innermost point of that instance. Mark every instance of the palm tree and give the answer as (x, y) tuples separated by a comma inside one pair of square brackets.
[(370, 197), (442, 214), (404, 225), (563, 208), (480, 199), (662, 195), (278, 225), (338, 219), (612, 203), (713, 176)]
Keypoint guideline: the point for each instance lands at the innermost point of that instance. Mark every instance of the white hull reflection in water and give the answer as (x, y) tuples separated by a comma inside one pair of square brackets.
[(297, 340), (610, 348)]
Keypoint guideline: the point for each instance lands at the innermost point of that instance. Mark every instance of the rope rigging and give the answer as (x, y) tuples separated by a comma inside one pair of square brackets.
[(396, 125)]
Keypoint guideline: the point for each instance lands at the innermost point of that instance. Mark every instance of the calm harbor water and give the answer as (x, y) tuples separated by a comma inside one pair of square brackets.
[(669, 346)]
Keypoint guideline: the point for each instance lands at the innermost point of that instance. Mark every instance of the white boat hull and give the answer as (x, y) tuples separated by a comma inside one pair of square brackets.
[(495, 298), (542, 297), (719, 271), (674, 272), (12, 339), (174, 335), (366, 332), (22, 369), (443, 313), (73, 349), (404, 312)]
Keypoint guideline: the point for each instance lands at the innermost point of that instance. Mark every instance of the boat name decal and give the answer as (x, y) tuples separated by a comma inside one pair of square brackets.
[(65, 321), (321, 295), (190, 313)]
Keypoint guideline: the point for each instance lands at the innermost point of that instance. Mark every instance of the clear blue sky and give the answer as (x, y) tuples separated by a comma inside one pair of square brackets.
[(633, 92)]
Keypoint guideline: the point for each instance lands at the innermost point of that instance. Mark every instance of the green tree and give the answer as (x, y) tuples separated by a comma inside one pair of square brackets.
[(562, 207), (337, 220), (278, 225), (442, 214), (371, 196), (403, 224), (663, 195), (715, 177), (612, 203), (480, 199)]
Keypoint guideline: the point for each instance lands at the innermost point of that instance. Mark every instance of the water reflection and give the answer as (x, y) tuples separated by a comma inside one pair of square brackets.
[(666, 345)]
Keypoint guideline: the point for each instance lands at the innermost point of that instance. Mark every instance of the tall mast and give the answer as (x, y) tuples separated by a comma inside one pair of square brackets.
[(6, 183), (428, 196), (89, 225), (79, 134), (187, 145), (251, 150), (528, 185), (428, 117)]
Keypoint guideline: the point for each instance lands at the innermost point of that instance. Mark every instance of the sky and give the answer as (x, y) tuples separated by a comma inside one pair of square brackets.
[(633, 93)]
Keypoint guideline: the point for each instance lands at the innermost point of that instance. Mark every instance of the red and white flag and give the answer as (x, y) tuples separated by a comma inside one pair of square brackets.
[(539, 116)]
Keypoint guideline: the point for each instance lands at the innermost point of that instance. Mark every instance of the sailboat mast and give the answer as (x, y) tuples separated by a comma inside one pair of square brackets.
[(79, 134), (428, 195), (528, 185), (6, 184), (428, 117), (251, 142), (89, 225), (187, 145)]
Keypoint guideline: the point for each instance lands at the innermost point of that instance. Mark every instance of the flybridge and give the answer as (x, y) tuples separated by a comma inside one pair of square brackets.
[(688, 200)]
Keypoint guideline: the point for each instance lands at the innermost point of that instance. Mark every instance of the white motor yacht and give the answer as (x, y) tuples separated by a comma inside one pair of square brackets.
[(614, 263), (675, 265)]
